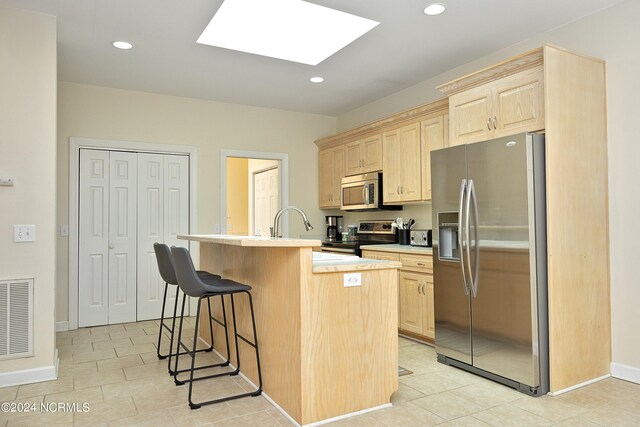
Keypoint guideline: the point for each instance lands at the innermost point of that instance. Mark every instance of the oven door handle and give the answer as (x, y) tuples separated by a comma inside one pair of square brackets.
[(366, 194), (337, 250)]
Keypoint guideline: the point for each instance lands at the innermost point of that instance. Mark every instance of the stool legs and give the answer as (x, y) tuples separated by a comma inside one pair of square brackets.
[(237, 336), (162, 325)]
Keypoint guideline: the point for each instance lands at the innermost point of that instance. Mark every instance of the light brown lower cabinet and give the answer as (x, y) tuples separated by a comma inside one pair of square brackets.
[(415, 292)]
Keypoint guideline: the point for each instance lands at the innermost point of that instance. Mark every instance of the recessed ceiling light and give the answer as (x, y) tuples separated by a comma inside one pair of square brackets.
[(316, 79), (122, 45), (293, 30), (434, 9)]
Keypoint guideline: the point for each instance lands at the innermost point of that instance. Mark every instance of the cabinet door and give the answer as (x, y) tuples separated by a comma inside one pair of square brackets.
[(469, 113), (411, 302), (430, 324), (432, 135), (325, 177), (409, 167), (338, 174), (385, 256), (391, 155), (519, 103), (330, 174), (353, 158), (372, 154)]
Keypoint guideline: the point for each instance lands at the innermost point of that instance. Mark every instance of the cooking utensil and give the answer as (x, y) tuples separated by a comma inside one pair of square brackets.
[(400, 223)]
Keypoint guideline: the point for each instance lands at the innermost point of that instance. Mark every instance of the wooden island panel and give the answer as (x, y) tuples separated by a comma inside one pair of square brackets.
[(325, 350)]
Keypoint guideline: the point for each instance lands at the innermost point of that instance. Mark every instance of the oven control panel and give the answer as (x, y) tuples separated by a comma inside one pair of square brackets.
[(376, 227)]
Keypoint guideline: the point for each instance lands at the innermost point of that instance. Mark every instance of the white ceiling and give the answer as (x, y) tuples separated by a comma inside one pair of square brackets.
[(406, 48)]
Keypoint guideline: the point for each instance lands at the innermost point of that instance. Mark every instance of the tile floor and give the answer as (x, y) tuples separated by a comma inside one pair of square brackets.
[(115, 370)]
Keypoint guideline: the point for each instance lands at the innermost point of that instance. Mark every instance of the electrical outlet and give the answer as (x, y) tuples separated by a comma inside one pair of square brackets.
[(24, 233), (352, 279)]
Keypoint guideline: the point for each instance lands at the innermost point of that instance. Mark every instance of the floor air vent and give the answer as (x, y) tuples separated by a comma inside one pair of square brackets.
[(16, 318)]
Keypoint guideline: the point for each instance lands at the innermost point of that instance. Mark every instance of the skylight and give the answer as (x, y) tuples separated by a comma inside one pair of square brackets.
[(292, 30)]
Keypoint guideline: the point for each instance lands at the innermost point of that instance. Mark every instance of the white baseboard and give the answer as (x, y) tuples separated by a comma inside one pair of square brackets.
[(62, 326), (625, 372), (573, 387), (30, 376)]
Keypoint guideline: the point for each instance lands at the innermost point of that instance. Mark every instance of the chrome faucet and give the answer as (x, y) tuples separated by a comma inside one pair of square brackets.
[(275, 230)]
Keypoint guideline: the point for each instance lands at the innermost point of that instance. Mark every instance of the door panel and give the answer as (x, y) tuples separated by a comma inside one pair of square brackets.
[(411, 182), (502, 319), (93, 248), (150, 289), (266, 200), (470, 111), (519, 102), (122, 236), (372, 153), (353, 158), (411, 303), (452, 310), (391, 154), (432, 138)]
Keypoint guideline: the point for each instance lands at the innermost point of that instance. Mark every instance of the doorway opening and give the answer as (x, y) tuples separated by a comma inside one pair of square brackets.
[(254, 187)]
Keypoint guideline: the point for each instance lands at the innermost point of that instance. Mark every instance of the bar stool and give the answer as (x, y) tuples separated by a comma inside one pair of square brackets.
[(168, 274), (194, 286)]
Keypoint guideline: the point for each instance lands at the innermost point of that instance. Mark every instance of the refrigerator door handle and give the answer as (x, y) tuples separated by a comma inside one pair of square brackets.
[(463, 194), (467, 233), (473, 279)]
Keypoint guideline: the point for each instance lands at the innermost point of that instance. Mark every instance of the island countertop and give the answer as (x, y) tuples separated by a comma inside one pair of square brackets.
[(251, 241)]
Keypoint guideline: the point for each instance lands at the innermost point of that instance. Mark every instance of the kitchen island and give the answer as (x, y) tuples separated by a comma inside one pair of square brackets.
[(326, 350)]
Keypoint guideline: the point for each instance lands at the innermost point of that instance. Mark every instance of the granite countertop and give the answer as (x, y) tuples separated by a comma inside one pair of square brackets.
[(251, 241)]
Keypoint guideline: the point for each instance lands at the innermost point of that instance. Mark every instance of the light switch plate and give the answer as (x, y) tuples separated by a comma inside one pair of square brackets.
[(7, 181), (352, 279), (24, 233)]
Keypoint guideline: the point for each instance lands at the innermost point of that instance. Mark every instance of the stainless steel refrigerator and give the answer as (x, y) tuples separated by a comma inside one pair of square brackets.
[(489, 250)]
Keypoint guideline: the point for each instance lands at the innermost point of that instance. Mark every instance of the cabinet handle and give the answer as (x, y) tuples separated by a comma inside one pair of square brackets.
[(402, 189), (419, 286), (398, 189), (495, 122), (489, 123), (421, 264)]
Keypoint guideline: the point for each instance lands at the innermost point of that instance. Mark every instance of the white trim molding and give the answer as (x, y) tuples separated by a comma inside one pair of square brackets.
[(625, 372), (283, 159), (62, 326), (30, 376), (574, 387), (75, 144)]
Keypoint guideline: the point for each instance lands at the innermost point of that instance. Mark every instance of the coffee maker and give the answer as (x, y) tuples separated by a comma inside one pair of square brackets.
[(334, 227)]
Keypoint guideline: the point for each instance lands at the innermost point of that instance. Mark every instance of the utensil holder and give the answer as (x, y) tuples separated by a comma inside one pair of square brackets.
[(404, 237)]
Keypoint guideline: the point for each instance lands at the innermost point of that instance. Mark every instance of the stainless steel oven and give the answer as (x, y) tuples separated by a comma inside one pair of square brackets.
[(363, 193)]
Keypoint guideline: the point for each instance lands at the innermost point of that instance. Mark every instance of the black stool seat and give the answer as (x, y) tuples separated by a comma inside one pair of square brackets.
[(193, 285), (168, 274)]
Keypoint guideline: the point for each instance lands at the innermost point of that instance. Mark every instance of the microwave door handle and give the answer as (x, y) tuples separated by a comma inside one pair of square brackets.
[(366, 194)]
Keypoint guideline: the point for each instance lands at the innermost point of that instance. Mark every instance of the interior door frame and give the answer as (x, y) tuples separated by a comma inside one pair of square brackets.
[(77, 143), (283, 159)]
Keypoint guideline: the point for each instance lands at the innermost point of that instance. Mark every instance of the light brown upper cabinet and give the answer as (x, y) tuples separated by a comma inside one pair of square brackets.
[(401, 159), (506, 106), (434, 135), (330, 174), (364, 155)]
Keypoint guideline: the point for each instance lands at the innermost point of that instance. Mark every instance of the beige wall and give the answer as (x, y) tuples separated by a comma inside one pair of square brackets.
[(97, 112), (27, 152), (612, 35), (237, 199)]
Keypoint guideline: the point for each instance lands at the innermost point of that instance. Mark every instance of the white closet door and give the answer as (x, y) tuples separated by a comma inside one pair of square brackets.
[(122, 236), (176, 199), (150, 231), (163, 213), (93, 245)]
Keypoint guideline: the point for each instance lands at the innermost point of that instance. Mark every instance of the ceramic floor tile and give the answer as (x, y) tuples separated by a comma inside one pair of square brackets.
[(148, 339), (431, 383), (107, 329), (8, 393), (550, 408), (43, 419), (127, 333), (106, 411), (488, 394), (135, 349), (610, 415), (508, 415), (262, 418), (94, 356), (90, 395), (469, 421), (102, 378), (142, 325), (117, 343), (119, 363), (406, 415), (88, 339), (43, 388), (405, 394), (448, 405)]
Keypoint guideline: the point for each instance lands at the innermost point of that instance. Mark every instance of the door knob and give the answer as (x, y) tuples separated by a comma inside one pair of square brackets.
[(111, 246)]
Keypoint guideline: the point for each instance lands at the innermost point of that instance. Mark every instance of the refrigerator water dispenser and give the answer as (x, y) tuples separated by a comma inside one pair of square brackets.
[(448, 236)]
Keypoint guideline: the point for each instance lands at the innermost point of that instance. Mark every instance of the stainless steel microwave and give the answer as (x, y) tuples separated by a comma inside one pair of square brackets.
[(363, 193)]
